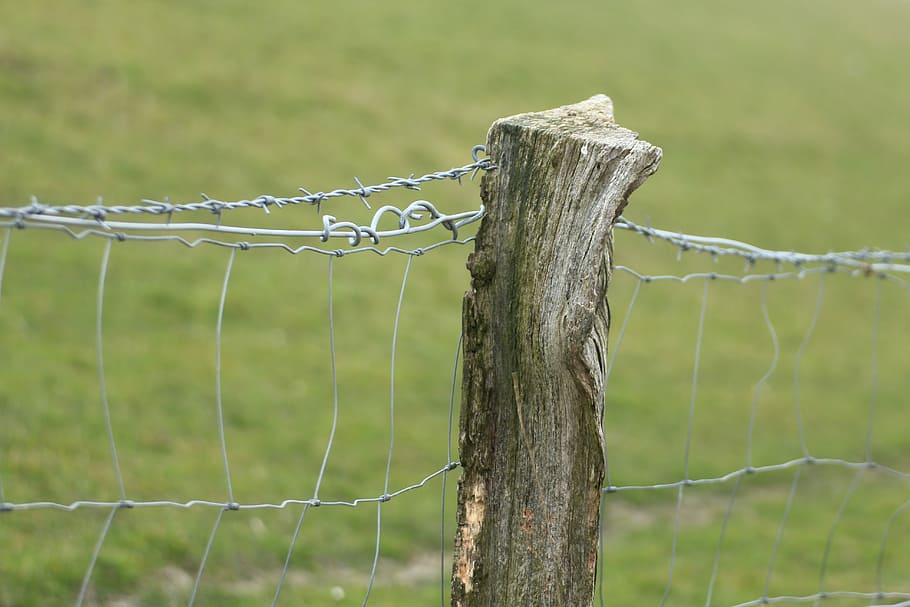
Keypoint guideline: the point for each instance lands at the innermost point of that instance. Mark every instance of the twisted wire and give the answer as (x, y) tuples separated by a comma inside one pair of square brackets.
[(868, 260), (81, 222), (856, 264), (100, 211), (332, 228), (350, 503)]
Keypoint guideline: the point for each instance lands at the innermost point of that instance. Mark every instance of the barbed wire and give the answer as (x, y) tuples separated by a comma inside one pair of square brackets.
[(419, 216), (865, 259), (80, 222), (332, 228), (100, 211), (882, 272), (865, 263), (749, 470), (91, 217)]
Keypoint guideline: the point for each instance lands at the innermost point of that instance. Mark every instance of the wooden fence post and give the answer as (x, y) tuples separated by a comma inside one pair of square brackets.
[(535, 338)]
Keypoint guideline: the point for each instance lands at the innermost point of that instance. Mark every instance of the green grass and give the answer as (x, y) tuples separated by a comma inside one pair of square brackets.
[(782, 123)]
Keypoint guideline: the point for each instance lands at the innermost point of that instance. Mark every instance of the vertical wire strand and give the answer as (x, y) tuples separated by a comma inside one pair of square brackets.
[(601, 550), (873, 370), (328, 448), (880, 562), (692, 401), (697, 360), (720, 540), (102, 384), (608, 476), (388, 467), (622, 330), (366, 596), (830, 540), (819, 298), (395, 328), (221, 434), (87, 578), (612, 363), (445, 476), (218, 396), (287, 559), (332, 361), (780, 531), (205, 558), (764, 380), (676, 517), (4, 250)]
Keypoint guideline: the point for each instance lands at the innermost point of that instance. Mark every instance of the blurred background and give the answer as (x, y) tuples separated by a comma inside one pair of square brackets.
[(782, 123)]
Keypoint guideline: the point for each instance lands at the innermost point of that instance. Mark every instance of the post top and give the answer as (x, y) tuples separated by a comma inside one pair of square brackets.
[(588, 119)]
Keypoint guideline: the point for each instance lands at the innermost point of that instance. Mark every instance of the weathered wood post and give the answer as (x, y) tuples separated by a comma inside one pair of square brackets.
[(535, 338)]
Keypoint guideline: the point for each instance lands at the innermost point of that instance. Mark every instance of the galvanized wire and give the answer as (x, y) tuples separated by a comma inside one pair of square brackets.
[(388, 466), (331, 440), (86, 579), (443, 540), (826, 555), (689, 427), (839, 594), (417, 217), (780, 529), (810, 331), (205, 555), (764, 379), (4, 250), (878, 265), (873, 368), (226, 505), (100, 211), (81, 222), (271, 244), (868, 260), (99, 343), (720, 539), (219, 404)]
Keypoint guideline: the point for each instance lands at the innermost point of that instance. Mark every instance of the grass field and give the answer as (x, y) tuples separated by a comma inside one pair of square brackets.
[(782, 123)]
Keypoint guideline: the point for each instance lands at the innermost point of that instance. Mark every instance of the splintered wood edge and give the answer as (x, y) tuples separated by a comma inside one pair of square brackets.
[(590, 119)]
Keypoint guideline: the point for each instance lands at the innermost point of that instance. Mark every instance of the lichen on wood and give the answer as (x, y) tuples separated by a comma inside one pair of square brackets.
[(535, 324)]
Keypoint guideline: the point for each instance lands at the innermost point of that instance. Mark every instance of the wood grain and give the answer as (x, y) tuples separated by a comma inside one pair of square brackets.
[(536, 322)]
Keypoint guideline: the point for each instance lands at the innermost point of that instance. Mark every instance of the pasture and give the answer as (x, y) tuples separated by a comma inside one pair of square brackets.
[(782, 123)]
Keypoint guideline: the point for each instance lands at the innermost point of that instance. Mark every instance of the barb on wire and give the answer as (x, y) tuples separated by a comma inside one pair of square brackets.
[(406, 219), (98, 212), (866, 260)]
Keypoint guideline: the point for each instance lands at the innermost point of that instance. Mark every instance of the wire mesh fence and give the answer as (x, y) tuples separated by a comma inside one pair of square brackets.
[(239, 397), (756, 456), (241, 426)]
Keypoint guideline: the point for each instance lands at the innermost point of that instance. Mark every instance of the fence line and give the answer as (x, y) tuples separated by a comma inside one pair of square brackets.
[(865, 260), (332, 228), (860, 262), (883, 267), (99, 212), (888, 266), (406, 219)]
